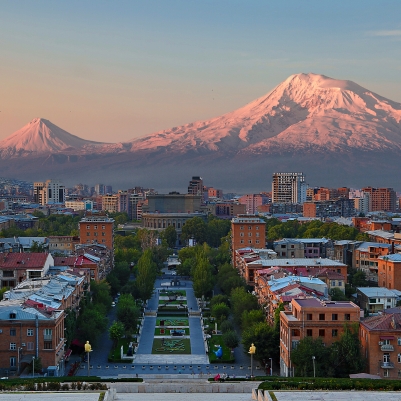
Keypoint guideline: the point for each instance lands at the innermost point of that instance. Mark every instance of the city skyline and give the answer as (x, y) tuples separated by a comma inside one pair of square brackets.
[(116, 72)]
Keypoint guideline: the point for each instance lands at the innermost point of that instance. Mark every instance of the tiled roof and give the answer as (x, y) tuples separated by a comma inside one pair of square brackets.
[(23, 260), (64, 260), (391, 321)]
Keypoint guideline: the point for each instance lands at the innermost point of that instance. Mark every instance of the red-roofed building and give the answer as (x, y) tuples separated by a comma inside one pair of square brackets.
[(80, 261), (16, 267), (381, 343)]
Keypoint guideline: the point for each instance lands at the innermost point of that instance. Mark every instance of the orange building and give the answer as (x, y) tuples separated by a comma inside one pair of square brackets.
[(381, 199), (97, 228), (389, 271), (309, 209), (380, 338), (247, 231), (312, 318)]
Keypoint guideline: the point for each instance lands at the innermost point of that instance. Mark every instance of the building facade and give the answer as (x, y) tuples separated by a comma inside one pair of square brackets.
[(97, 228), (289, 188)]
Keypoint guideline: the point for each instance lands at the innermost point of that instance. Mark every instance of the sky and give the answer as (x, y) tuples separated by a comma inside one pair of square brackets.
[(116, 70)]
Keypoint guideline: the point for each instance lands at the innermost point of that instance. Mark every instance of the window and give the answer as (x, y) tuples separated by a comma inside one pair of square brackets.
[(103, 227), (88, 234), (103, 234), (13, 362), (249, 227), (321, 332), (322, 316), (241, 234), (309, 316), (95, 234), (334, 316), (103, 240), (399, 340), (13, 332), (386, 357), (295, 344), (29, 332), (250, 241), (241, 227), (47, 333), (47, 345), (13, 346), (309, 332), (29, 346), (257, 234), (347, 316), (257, 227), (399, 374), (249, 234), (386, 373), (334, 333), (8, 273), (88, 227), (333, 283), (95, 227), (242, 241)]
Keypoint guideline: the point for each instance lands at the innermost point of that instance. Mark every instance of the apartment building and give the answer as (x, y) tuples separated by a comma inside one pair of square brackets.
[(252, 202), (389, 271), (49, 192), (376, 299), (312, 318), (289, 188), (381, 199), (247, 231), (64, 244), (97, 228), (31, 332), (380, 338)]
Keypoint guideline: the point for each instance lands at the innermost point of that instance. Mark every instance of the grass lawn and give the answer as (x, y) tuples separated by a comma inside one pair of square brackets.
[(173, 321), (167, 331), (176, 302), (214, 340), (116, 351), (171, 346)]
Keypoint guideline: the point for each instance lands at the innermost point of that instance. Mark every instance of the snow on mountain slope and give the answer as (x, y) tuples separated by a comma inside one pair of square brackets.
[(306, 111), (41, 136)]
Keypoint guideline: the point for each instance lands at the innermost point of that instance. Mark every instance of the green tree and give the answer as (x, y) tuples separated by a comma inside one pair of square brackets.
[(346, 354), (218, 299), (128, 312), (226, 326), (231, 339), (251, 317), (146, 275), (241, 301), (302, 355), (337, 295), (116, 331), (216, 229), (194, 228), (202, 276), (170, 236), (220, 312), (101, 294), (92, 323), (265, 338), (36, 247), (2, 291)]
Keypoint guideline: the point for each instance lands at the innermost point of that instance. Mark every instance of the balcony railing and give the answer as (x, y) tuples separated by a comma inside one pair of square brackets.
[(387, 347), (387, 365), (47, 337)]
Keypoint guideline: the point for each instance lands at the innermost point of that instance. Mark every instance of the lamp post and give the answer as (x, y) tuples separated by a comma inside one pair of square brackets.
[(33, 366), (252, 351), (314, 369), (19, 359), (88, 350), (271, 366)]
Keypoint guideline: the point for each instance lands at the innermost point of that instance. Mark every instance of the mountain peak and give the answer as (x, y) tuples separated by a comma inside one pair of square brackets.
[(41, 136)]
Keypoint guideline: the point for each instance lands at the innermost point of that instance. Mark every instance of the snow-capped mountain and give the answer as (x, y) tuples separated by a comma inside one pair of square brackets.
[(335, 131), (41, 136), (305, 112)]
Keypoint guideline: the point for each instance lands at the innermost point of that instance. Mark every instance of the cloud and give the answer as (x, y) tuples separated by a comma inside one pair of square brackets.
[(394, 32)]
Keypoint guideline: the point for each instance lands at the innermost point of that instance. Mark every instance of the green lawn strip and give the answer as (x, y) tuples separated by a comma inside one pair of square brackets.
[(176, 302), (168, 329), (115, 353), (171, 346), (272, 396), (227, 358), (172, 308), (172, 321)]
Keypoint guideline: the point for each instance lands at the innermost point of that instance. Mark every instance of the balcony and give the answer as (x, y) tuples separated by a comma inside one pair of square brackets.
[(47, 337), (387, 365), (387, 347)]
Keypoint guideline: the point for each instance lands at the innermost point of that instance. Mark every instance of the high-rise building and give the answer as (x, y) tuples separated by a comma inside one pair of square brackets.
[(195, 186), (381, 199), (289, 188), (49, 192)]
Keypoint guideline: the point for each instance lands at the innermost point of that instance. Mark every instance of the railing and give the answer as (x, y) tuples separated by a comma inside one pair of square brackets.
[(387, 365), (47, 337), (387, 347)]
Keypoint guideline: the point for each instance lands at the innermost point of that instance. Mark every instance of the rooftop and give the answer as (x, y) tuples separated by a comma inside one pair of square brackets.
[(377, 292), (297, 262)]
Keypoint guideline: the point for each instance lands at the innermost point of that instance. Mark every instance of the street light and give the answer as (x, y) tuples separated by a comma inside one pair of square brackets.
[(33, 366), (314, 370), (88, 349), (271, 366), (252, 351)]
